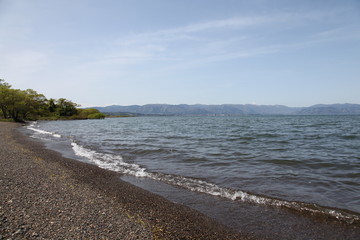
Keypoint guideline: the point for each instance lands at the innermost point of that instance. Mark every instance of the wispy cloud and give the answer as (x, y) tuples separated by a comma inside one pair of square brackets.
[(194, 31), (189, 32), (185, 43), (235, 22), (338, 33), (106, 51), (213, 40), (201, 43)]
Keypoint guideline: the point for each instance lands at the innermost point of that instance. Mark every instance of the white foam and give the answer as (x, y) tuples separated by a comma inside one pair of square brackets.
[(201, 186), (32, 127), (109, 161), (116, 163)]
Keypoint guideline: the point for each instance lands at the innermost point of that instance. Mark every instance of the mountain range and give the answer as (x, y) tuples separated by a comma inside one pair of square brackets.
[(230, 109)]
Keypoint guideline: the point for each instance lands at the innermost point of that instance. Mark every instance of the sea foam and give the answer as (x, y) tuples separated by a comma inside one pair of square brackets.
[(39, 131), (109, 161), (116, 163)]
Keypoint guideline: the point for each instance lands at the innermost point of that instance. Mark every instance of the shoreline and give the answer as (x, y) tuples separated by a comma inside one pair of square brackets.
[(46, 196)]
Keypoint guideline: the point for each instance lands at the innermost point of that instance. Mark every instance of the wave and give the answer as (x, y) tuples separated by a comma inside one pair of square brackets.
[(109, 161), (32, 127), (201, 186), (116, 163)]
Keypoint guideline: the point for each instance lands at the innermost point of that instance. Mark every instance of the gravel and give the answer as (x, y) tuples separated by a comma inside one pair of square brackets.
[(46, 196)]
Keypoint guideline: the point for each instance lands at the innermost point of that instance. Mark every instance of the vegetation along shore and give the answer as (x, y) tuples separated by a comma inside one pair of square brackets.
[(20, 105)]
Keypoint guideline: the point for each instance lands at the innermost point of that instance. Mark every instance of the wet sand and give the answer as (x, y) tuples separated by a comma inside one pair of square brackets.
[(46, 196)]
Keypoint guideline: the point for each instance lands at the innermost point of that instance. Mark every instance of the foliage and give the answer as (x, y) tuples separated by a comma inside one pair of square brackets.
[(96, 116), (20, 105), (90, 113), (65, 107)]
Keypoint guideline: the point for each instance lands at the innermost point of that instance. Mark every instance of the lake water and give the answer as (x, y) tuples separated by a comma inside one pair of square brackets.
[(303, 163)]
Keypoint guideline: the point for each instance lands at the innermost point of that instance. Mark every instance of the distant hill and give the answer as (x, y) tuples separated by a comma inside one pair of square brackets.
[(331, 109), (198, 109), (231, 109)]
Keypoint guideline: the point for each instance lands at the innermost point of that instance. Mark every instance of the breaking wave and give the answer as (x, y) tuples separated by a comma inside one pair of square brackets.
[(115, 163), (39, 131), (109, 161)]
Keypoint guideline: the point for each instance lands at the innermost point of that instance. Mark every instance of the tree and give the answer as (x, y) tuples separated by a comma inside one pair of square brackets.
[(51, 105), (15, 103), (20, 105), (96, 116), (10, 101), (27, 104), (90, 113), (66, 107), (4, 92), (33, 105)]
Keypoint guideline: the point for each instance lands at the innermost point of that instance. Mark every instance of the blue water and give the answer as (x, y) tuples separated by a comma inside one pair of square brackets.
[(306, 163)]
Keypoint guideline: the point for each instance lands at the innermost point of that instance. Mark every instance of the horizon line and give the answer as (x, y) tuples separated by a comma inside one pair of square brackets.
[(252, 104)]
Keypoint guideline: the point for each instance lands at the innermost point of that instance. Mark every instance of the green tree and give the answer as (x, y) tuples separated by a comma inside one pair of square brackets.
[(28, 104), (4, 92), (84, 113), (51, 105), (66, 107), (20, 105), (96, 116), (15, 104), (90, 113), (34, 105)]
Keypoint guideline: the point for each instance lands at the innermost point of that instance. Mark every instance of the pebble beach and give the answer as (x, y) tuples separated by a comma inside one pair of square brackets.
[(46, 196)]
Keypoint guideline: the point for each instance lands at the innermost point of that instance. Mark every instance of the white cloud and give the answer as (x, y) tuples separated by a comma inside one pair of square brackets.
[(188, 32), (164, 51), (235, 22), (220, 39)]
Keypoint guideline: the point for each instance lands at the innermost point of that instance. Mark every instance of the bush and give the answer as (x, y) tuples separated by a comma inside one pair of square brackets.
[(96, 116), (89, 113)]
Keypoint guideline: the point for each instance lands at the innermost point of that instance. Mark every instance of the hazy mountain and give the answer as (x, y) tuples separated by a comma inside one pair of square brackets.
[(198, 109), (331, 109), (232, 109)]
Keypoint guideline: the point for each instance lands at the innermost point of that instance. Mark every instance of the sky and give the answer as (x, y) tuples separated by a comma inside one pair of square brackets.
[(135, 52)]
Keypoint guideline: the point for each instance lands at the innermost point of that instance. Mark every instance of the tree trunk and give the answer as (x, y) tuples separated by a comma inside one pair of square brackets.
[(15, 116), (4, 112)]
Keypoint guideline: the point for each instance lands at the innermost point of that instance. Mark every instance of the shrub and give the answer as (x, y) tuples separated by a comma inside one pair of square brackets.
[(96, 116)]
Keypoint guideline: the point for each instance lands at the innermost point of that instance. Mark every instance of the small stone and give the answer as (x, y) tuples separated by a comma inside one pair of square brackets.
[(17, 232)]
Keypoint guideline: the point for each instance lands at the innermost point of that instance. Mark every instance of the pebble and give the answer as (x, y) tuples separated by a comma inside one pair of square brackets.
[(81, 201)]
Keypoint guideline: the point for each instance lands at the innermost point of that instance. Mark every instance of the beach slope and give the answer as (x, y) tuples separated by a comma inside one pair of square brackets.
[(46, 196)]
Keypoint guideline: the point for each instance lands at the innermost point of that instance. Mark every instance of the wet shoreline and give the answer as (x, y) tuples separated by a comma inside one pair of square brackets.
[(46, 196), (239, 220)]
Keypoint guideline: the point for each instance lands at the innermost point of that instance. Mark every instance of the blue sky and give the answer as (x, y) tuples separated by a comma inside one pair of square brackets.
[(97, 53)]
